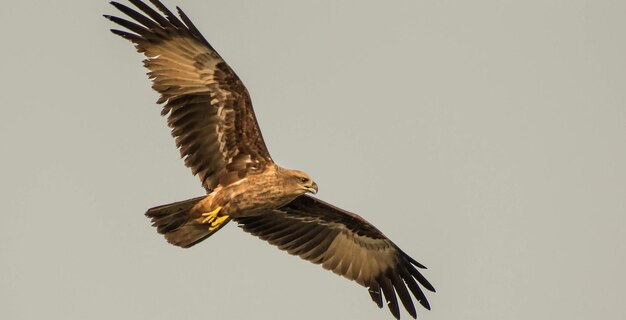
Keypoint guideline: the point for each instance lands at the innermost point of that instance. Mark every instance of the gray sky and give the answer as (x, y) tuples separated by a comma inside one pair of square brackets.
[(486, 138)]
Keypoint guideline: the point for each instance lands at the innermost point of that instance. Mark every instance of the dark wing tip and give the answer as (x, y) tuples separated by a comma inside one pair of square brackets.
[(374, 291), (408, 257), (403, 293), (125, 35), (168, 14), (400, 282), (390, 297), (193, 29), (413, 261)]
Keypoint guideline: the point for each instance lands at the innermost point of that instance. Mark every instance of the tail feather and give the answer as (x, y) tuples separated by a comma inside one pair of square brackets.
[(178, 225)]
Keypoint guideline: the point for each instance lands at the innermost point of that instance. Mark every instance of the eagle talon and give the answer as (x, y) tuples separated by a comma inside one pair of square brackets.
[(212, 219)]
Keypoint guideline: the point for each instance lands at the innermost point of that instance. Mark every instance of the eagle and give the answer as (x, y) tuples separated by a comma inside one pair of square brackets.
[(210, 114)]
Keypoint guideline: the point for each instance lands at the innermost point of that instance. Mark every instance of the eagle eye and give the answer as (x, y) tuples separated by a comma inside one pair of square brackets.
[(304, 180)]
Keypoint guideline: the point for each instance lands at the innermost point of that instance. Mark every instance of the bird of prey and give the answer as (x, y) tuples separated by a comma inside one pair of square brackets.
[(210, 113)]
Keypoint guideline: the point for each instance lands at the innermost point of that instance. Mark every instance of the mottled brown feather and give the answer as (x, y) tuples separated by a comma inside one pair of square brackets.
[(208, 107), (346, 244)]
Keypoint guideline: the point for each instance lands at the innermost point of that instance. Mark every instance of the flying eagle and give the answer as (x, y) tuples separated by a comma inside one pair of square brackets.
[(210, 113)]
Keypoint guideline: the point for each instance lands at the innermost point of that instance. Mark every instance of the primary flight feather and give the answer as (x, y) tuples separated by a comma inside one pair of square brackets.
[(212, 120)]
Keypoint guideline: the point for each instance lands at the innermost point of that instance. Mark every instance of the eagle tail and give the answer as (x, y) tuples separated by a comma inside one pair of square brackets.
[(179, 227)]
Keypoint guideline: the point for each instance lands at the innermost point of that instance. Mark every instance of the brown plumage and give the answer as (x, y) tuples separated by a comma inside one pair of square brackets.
[(215, 129)]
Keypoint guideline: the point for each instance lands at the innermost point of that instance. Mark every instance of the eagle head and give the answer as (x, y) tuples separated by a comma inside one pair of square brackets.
[(300, 183)]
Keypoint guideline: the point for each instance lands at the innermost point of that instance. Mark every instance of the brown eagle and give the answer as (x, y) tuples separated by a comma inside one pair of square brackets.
[(210, 113)]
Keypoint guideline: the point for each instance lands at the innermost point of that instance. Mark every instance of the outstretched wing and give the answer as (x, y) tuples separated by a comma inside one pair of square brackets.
[(346, 244), (207, 106)]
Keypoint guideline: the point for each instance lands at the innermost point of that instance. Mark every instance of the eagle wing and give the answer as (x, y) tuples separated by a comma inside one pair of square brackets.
[(348, 245), (207, 106)]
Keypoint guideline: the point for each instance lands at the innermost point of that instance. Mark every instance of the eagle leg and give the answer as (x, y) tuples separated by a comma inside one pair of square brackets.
[(212, 219)]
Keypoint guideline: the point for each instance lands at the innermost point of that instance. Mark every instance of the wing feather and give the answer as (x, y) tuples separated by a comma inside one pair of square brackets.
[(208, 108), (390, 297), (403, 293), (374, 291), (346, 244)]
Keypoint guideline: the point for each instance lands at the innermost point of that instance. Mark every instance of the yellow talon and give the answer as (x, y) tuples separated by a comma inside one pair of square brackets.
[(212, 219), (217, 222), (210, 216)]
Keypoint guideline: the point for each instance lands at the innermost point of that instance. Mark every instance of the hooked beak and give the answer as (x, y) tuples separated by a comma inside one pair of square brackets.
[(313, 188)]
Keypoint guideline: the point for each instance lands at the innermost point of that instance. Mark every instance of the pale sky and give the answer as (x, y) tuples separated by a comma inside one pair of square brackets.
[(486, 138)]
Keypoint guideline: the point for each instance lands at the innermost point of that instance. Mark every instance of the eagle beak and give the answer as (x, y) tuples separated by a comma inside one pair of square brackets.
[(313, 188)]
